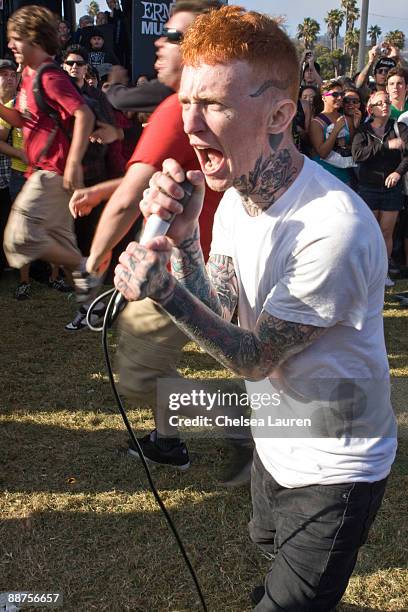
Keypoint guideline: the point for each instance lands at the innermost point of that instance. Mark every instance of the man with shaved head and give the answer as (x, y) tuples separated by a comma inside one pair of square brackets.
[(302, 258)]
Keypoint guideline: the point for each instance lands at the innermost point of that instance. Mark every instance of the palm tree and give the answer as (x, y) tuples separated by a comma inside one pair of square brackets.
[(334, 22), (351, 12), (308, 31), (352, 16), (374, 32), (93, 8), (396, 38), (352, 41)]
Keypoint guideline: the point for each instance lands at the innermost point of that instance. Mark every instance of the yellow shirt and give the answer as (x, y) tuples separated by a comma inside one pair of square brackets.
[(16, 141)]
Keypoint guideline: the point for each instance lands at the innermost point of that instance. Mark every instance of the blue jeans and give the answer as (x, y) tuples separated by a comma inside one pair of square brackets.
[(312, 534)]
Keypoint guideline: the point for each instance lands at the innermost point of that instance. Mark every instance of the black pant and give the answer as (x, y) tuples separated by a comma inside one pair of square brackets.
[(312, 534)]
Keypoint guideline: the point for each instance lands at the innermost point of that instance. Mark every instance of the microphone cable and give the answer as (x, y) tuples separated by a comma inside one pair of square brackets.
[(115, 305)]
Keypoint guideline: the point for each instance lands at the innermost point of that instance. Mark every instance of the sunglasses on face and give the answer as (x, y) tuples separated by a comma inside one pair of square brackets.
[(75, 62), (382, 71), (172, 35), (335, 94), (351, 100), (382, 103)]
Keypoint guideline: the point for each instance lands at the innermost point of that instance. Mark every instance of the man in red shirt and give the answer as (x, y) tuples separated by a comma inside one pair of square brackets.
[(40, 225), (150, 343)]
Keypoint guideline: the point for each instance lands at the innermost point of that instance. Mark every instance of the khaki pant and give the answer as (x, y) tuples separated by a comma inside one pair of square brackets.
[(149, 347), (39, 218)]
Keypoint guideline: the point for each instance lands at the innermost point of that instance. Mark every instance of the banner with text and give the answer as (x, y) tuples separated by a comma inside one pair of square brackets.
[(148, 21)]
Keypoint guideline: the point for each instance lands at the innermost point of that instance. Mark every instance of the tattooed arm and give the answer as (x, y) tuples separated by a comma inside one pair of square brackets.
[(251, 354), (217, 286)]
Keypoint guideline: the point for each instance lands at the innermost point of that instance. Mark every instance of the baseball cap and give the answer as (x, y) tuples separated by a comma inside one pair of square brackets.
[(9, 64), (385, 62)]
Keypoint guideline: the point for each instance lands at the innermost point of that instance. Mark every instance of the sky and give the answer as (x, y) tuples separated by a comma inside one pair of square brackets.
[(388, 15)]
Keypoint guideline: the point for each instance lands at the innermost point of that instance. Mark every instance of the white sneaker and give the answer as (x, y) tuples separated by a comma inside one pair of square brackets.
[(388, 281)]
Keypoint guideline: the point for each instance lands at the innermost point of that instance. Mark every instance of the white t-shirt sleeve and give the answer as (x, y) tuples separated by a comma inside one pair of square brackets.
[(325, 281)]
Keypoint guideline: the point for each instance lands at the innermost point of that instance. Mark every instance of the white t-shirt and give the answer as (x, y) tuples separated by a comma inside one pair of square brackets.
[(316, 257), (403, 118)]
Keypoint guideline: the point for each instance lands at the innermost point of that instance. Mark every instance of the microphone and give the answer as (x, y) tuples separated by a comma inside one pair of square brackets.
[(155, 226)]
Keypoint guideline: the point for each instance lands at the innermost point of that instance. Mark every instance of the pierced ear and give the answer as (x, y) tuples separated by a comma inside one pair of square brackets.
[(281, 116)]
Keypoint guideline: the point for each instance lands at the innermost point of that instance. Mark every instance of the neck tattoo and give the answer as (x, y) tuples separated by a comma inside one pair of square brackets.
[(271, 174)]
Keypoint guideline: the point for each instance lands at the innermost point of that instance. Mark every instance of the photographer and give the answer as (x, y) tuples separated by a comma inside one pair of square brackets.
[(383, 57), (310, 71)]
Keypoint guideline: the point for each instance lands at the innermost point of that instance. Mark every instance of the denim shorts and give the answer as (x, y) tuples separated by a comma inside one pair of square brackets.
[(381, 198)]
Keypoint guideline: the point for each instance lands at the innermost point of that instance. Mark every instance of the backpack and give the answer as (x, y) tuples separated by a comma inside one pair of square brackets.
[(100, 113), (39, 96)]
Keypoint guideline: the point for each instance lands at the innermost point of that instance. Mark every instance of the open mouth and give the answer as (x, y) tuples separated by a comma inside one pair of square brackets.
[(211, 160)]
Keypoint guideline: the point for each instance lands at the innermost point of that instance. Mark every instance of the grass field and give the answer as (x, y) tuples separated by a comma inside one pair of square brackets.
[(76, 515)]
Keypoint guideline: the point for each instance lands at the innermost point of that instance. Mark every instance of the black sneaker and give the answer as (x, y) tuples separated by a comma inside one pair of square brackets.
[(393, 269), (23, 291), (79, 321), (176, 457), (60, 285), (401, 296), (257, 594)]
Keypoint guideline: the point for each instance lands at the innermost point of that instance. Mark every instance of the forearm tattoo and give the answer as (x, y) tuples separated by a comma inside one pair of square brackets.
[(216, 287), (252, 355), (221, 272)]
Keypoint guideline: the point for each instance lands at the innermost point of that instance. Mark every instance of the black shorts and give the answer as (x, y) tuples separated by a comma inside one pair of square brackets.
[(390, 200)]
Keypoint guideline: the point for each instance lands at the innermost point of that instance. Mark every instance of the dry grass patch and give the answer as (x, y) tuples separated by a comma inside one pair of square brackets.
[(76, 512)]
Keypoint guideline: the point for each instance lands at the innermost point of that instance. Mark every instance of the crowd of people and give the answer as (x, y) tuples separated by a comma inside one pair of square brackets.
[(357, 130), (297, 262), (103, 153)]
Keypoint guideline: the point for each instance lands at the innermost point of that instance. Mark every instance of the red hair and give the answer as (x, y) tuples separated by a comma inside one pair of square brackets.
[(231, 33)]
